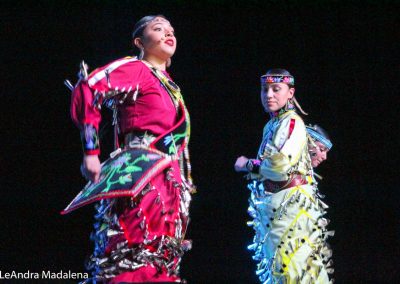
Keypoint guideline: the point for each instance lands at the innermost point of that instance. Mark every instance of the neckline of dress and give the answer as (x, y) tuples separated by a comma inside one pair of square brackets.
[(148, 64), (280, 113)]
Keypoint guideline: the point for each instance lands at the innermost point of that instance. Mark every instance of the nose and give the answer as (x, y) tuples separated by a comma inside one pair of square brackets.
[(324, 156), (168, 32), (270, 93)]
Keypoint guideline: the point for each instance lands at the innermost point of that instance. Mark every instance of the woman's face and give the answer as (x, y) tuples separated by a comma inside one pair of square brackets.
[(158, 39), (318, 154), (275, 96)]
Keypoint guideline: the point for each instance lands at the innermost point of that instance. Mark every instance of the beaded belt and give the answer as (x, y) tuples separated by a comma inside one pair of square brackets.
[(276, 186)]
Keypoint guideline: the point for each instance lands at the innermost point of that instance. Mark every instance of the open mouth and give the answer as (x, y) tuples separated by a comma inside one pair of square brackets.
[(169, 42)]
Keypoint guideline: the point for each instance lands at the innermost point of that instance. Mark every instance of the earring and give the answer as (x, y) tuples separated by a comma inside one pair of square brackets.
[(141, 54), (289, 105)]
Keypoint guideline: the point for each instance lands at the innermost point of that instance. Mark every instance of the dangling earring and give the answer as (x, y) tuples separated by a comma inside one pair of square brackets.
[(289, 105), (141, 54)]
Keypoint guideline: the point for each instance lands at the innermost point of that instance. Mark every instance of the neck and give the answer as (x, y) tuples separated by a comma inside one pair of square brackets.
[(278, 112), (157, 63)]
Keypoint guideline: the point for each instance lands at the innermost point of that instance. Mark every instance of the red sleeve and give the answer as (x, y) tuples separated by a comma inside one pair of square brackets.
[(121, 75), (82, 109), (84, 113)]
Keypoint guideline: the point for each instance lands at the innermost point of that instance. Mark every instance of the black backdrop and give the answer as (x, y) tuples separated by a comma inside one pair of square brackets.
[(344, 59)]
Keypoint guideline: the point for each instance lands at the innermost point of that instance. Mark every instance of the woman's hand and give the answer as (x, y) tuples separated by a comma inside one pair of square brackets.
[(91, 168), (240, 165)]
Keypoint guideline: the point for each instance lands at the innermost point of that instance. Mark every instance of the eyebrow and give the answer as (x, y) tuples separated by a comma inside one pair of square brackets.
[(162, 23), (274, 85)]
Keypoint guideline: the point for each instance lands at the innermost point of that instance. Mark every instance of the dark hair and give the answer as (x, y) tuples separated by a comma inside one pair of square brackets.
[(279, 71), (142, 24), (320, 130)]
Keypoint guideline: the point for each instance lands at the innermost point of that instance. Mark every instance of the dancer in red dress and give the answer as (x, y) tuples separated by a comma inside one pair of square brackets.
[(144, 189)]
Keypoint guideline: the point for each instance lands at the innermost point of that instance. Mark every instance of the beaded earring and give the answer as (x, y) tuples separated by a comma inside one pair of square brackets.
[(289, 105)]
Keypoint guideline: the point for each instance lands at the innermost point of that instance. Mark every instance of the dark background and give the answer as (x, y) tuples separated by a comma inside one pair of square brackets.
[(344, 57)]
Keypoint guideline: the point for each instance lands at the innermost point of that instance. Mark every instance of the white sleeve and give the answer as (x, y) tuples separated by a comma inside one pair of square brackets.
[(285, 151)]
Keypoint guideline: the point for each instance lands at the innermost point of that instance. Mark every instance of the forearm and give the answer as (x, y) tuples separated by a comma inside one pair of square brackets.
[(90, 140), (86, 117), (275, 167)]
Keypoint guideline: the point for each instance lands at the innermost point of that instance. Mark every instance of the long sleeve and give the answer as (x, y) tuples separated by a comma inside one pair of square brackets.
[(86, 117), (116, 78), (284, 149), (82, 109), (143, 104)]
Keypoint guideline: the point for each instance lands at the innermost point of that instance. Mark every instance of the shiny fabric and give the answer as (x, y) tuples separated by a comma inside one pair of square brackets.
[(290, 231), (151, 108), (139, 239)]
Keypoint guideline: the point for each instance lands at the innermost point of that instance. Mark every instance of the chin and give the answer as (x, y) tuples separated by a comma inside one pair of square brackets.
[(169, 51), (167, 56), (267, 108)]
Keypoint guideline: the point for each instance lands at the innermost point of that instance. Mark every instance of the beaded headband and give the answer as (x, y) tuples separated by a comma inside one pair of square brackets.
[(277, 78), (319, 137)]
